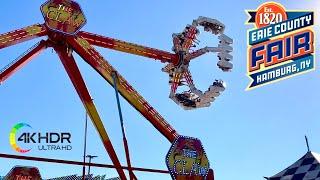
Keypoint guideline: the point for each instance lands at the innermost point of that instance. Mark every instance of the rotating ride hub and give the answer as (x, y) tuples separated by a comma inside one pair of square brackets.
[(179, 73)]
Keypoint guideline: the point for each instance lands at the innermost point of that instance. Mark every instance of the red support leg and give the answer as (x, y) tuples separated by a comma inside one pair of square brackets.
[(22, 35), (96, 61), (22, 60), (79, 84), (127, 47)]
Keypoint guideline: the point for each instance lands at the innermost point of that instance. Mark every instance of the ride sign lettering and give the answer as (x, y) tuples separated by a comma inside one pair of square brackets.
[(23, 173), (187, 158), (64, 16)]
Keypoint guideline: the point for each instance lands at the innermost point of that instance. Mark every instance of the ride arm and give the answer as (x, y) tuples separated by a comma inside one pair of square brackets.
[(79, 84), (224, 49), (22, 35), (96, 61), (127, 47), (17, 64)]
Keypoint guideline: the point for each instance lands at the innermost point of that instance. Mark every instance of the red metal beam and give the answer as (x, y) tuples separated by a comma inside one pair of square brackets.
[(127, 47), (22, 35), (22, 60), (96, 61), (79, 84), (59, 161)]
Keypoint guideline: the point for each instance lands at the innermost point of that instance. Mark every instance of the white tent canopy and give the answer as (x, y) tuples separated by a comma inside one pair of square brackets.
[(306, 168)]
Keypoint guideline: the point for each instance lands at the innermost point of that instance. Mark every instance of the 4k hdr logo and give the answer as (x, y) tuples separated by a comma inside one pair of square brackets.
[(47, 141), (13, 133), (281, 44)]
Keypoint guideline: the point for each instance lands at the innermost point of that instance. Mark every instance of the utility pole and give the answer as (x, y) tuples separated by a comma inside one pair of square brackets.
[(90, 158), (85, 148)]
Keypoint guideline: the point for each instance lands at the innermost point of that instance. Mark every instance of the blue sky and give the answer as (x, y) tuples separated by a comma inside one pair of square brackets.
[(246, 134)]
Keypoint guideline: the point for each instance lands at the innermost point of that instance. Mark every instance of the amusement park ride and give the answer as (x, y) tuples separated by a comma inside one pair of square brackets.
[(63, 21)]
